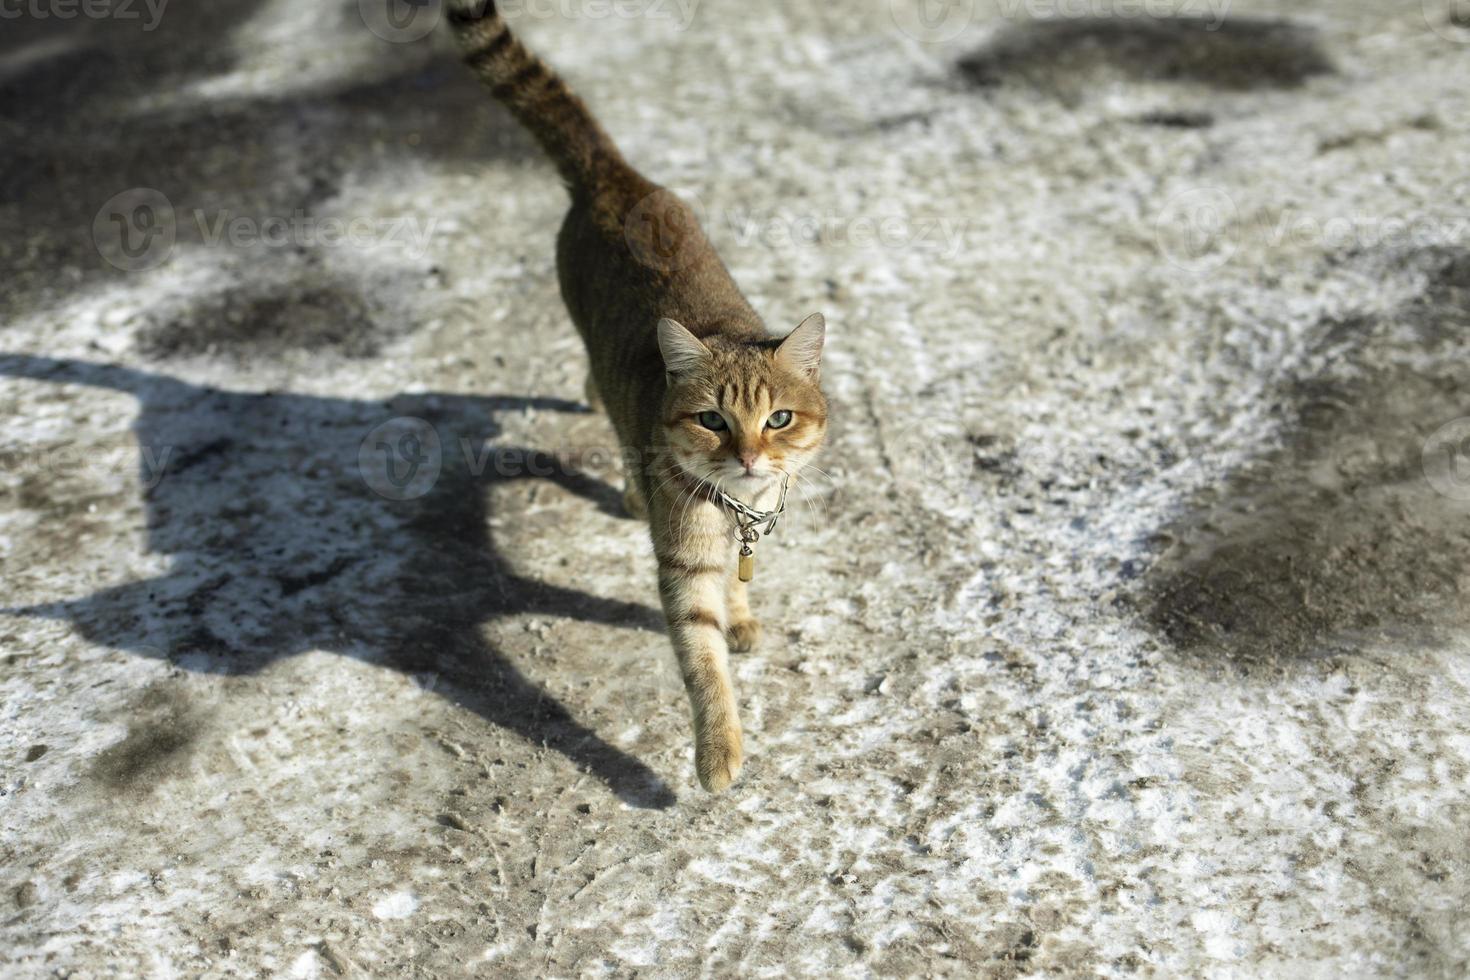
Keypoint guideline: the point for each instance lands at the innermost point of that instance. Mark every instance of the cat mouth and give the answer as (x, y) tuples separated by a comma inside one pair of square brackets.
[(748, 479)]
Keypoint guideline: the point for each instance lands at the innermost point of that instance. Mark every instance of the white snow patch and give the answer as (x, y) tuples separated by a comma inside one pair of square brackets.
[(399, 905)]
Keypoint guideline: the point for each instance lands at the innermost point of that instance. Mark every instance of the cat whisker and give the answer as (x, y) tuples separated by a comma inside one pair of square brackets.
[(812, 467), (812, 500)]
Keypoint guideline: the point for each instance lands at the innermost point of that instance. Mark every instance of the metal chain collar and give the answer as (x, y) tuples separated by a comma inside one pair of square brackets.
[(747, 518)]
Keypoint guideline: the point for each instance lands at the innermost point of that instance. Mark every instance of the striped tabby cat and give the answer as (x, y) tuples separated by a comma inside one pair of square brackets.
[(708, 407)]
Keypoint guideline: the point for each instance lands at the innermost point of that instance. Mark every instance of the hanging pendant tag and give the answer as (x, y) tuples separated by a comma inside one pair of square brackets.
[(747, 521)]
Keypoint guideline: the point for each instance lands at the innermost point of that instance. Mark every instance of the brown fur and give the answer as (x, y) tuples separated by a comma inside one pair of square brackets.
[(669, 336)]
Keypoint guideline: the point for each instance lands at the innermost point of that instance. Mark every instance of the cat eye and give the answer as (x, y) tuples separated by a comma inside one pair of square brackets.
[(713, 421), (779, 420)]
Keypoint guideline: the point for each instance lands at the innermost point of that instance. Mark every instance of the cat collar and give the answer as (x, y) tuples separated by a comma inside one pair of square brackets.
[(747, 520)]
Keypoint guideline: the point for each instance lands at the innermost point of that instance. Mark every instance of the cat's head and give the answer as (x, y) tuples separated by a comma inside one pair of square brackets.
[(742, 415)]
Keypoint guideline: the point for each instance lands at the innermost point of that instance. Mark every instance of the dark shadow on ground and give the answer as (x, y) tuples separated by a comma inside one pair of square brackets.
[(1338, 535), (1231, 54), (280, 544), (93, 107)]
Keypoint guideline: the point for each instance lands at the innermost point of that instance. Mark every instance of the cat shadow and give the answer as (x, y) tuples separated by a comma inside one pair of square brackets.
[(281, 516)]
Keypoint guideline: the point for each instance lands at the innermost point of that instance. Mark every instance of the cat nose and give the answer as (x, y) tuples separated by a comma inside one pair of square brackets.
[(748, 459)]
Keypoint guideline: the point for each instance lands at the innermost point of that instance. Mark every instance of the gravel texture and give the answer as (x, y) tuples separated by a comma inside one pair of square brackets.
[(1124, 630)]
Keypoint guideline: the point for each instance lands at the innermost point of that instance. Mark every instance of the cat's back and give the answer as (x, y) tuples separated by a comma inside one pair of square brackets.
[(634, 252)]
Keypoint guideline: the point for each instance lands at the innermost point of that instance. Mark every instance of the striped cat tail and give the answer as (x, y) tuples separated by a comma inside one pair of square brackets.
[(583, 153)]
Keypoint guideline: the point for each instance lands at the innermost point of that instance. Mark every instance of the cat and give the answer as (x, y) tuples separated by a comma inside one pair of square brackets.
[(706, 404)]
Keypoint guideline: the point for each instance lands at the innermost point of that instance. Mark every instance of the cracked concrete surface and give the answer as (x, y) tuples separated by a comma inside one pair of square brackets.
[(1124, 630)]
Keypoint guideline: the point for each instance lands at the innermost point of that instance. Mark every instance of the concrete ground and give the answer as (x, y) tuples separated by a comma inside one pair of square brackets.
[(1123, 633)]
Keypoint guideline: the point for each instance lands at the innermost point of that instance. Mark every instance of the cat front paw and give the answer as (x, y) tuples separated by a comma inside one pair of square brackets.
[(718, 761), (744, 635)]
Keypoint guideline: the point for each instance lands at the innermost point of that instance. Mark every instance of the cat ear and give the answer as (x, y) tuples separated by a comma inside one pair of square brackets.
[(801, 351), (681, 349)]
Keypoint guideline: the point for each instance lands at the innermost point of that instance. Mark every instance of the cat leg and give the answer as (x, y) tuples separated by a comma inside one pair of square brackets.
[(745, 630), (633, 501), (692, 572)]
